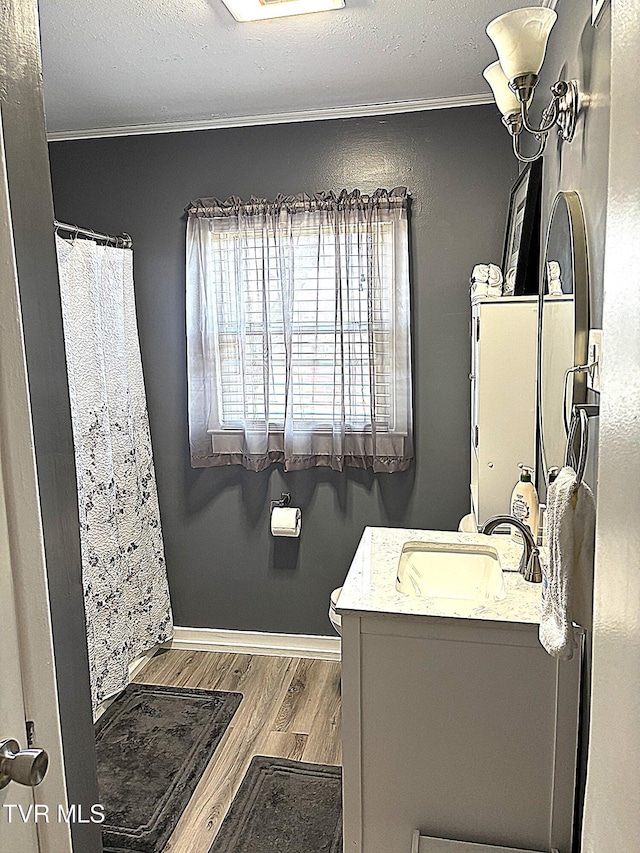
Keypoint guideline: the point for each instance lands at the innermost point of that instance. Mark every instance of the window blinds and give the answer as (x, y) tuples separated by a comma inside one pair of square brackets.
[(299, 335)]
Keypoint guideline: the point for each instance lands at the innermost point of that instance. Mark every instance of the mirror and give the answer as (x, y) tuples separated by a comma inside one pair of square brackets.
[(564, 328)]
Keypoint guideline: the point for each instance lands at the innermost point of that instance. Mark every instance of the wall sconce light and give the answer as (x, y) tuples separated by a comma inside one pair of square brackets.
[(520, 38)]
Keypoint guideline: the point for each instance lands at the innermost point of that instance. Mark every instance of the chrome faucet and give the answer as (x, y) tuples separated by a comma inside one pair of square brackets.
[(529, 566)]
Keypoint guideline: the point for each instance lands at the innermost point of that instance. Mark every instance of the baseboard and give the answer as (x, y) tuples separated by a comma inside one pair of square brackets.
[(136, 665), (257, 642)]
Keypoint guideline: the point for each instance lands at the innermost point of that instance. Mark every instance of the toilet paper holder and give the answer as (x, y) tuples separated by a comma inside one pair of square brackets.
[(285, 500)]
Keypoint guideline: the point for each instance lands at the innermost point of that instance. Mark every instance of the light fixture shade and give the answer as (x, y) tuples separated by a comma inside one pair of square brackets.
[(521, 39), (505, 97), (259, 10)]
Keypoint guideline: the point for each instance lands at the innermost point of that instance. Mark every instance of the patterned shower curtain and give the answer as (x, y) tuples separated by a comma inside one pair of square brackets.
[(126, 594)]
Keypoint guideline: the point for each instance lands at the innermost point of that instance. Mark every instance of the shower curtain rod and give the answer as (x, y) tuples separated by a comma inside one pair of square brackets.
[(122, 241)]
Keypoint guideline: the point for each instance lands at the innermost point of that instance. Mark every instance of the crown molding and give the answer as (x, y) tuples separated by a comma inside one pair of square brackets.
[(275, 118)]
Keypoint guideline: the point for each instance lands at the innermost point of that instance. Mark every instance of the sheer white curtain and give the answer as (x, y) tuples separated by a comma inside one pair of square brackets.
[(298, 331), (126, 594)]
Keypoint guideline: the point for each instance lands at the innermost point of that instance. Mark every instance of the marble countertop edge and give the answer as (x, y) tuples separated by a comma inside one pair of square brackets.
[(369, 587)]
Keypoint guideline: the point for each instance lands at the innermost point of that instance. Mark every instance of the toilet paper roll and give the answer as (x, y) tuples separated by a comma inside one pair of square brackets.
[(286, 521)]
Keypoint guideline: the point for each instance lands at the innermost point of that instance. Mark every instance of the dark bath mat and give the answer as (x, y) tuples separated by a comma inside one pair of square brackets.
[(284, 806), (153, 744)]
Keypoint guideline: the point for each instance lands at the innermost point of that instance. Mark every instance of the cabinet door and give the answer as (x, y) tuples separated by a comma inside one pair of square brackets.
[(474, 331), (505, 399), (473, 375), (458, 725)]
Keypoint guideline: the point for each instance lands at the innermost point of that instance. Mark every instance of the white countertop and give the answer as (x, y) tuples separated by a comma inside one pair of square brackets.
[(370, 583)]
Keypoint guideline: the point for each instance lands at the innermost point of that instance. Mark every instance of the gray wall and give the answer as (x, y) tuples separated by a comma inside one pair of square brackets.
[(225, 570), (578, 50), (583, 52)]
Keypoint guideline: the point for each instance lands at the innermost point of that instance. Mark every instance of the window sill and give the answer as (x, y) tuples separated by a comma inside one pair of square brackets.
[(279, 433)]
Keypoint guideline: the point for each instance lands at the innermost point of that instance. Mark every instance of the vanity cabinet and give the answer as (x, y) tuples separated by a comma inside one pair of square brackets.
[(504, 334), (458, 728)]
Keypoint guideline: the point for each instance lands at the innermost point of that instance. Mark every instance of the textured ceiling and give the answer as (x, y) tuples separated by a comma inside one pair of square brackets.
[(120, 64)]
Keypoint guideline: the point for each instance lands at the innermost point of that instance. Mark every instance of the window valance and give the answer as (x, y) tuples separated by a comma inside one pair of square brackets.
[(211, 208)]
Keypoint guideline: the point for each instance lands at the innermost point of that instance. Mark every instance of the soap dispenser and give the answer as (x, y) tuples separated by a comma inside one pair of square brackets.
[(524, 504)]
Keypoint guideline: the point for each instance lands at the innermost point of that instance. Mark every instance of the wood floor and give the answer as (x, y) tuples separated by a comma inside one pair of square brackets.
[(290, 709)]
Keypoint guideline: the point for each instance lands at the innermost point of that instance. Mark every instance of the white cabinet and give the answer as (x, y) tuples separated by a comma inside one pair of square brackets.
[(504, 334), (460, 729)]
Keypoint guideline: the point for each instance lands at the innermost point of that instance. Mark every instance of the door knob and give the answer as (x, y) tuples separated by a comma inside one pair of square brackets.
[(24, 766)]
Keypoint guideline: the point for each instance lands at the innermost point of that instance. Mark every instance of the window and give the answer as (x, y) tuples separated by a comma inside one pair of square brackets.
[(298, 331)]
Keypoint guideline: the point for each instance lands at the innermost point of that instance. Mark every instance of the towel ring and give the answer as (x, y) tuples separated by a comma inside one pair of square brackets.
[(584, 444), (579, 418), (570, 457)]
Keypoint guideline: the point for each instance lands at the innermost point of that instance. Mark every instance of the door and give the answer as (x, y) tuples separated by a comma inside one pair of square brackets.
[(38, 463), (28, 816), (16, 834), (612, 808)]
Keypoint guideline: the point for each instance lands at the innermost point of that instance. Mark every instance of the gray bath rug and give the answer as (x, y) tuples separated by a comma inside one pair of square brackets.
[(153, 744), (284, 806)]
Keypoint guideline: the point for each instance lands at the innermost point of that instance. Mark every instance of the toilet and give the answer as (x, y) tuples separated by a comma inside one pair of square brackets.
[(468, 524), (334, 616)]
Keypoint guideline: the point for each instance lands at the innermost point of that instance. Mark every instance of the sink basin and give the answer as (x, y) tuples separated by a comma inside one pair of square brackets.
[(442, 570)]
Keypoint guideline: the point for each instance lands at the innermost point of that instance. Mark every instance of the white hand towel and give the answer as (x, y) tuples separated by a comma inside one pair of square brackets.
[(480, 272), (494, 287), (554, 280), (571, 518), (495, 276), (510, 282), (553, 270), (478, 288)]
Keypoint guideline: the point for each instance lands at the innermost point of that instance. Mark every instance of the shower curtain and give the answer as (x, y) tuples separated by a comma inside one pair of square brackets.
[(126, 594)]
